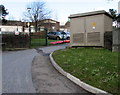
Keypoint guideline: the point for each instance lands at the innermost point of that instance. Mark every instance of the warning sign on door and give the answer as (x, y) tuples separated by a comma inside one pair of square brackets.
[(93, 25)]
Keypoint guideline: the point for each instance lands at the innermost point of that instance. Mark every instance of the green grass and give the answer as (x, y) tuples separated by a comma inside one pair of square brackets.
[(34, 44), (97, 67), (40, 42)]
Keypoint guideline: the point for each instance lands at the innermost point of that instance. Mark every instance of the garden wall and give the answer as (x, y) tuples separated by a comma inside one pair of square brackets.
[(116, 40), (108, 40)]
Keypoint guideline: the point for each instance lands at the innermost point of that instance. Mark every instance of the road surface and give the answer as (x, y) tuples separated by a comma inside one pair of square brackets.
[(16, 71), (47, 79), (30, 71)]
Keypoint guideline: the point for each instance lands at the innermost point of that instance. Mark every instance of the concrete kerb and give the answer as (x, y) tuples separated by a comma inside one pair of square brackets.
[(85, 86)]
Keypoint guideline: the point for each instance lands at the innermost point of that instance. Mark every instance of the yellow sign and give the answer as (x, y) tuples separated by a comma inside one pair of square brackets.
[(93, 24)]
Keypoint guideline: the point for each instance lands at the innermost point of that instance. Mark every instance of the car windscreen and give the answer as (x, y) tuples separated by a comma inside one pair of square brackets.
[(63, 33), (58, 33), (68, 33), (51, 33)]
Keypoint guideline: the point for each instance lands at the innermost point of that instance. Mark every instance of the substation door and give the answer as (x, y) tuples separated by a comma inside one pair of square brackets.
[(78, 33), (93, 30)]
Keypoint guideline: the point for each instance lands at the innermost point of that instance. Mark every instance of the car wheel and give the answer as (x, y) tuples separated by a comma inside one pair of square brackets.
[(57, 38), (68, 38)]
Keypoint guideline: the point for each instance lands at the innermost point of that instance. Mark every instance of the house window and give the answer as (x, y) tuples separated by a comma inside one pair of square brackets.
[(0, 29)]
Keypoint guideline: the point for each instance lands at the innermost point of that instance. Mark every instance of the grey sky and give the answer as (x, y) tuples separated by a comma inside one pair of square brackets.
[(61, 9)]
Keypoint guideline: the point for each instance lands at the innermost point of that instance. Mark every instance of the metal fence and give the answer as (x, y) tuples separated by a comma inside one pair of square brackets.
[(38, 39)]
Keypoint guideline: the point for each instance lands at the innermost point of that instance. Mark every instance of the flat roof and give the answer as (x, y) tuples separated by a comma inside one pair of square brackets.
[(90, 14)]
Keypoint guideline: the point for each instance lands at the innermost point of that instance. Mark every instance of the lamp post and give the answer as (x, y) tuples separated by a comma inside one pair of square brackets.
[(29, 29), (29, 34)]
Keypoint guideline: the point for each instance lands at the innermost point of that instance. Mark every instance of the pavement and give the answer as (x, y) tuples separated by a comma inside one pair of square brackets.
[(47, 79)]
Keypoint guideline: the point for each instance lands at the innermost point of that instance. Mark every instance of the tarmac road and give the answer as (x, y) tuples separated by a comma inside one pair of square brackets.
[(16, 71), (47, 79), (30, 71)]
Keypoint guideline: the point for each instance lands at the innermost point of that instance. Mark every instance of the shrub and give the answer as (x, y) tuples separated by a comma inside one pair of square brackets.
[(15, 41)]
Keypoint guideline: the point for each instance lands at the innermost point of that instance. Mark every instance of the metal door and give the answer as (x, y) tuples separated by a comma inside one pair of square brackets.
[(93, 29), (78, 33)]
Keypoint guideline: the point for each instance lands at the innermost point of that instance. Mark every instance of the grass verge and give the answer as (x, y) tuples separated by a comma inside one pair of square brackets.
[(40, 42), (34, 44), (97, 67)]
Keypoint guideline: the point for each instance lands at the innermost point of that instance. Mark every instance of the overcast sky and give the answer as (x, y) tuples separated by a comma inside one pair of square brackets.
[(61, 9)]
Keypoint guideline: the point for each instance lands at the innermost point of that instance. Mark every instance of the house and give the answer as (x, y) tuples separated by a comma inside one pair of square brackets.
[(65, 27), (51, 25), (62, 27), (12, 26)]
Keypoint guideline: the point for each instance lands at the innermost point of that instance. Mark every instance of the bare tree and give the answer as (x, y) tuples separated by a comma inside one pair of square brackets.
[(36, 12)]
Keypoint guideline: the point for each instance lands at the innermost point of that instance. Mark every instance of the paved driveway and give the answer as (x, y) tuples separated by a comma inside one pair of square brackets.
[(16, 71)]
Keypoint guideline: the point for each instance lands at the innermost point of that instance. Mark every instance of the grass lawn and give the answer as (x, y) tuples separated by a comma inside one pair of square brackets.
[(97, 67), (40, 42)]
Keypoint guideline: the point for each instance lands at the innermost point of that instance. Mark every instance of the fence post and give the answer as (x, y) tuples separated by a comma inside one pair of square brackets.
[(46, 40), (29, 36)]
